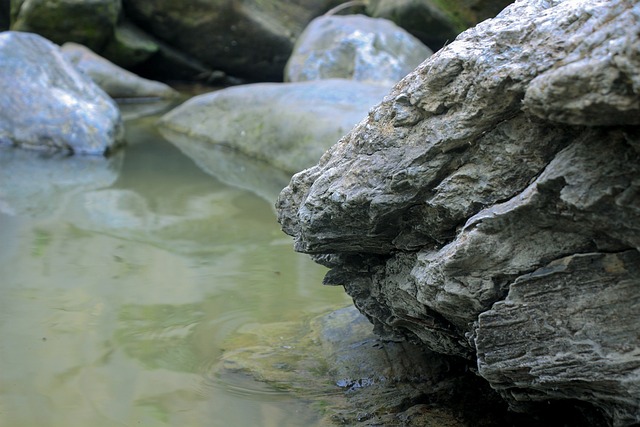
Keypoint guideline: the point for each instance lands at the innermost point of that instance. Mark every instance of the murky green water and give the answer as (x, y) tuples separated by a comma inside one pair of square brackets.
[(120, 281)]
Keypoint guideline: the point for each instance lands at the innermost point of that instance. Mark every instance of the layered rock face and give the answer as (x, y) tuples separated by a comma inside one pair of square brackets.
[(489, 207)]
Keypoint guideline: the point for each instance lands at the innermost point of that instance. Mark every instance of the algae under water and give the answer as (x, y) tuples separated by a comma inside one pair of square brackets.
[(120, 280)]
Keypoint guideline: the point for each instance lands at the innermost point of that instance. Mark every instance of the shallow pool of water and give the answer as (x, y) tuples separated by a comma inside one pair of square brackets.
[(120, 280)]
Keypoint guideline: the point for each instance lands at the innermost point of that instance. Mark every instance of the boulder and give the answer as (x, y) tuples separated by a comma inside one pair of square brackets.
[(115, 81), (488, 207), (288, 125), (354, 47), (436, 22), (251, 39), (46, 104), (90, 23)]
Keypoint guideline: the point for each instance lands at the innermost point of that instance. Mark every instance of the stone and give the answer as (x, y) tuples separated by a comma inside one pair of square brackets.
[(579, 311), (495, 178), (354, 47), (351, 377), (249, 39), (115, 81), (90, 23), (436, 22), (48, 105), (288, 125), (129, 46)]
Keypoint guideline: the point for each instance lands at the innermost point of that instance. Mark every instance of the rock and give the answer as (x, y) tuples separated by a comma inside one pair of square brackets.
[(436, 22), (89, 23), (46, 104), (129, 45), (354, 47), (115, 81), (351, 377), (250, 39), (439, 210), (288, 125), (585, 308)]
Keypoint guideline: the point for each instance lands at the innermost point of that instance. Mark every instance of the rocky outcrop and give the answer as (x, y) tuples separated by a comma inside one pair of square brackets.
[(115, 81), (48, 105), (354, 47), (288, 125), (489, 206)]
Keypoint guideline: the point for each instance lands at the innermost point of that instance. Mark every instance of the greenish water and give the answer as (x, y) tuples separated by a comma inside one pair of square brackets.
[(120, 281)]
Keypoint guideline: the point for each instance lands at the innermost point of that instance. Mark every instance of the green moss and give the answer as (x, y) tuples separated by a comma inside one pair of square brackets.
[(90, 24)]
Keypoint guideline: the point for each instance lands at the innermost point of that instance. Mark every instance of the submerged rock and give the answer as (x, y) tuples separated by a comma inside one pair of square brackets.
[(352, 377), (46, 104), (288, 125), (354, 47), (494, 229), (116, 81)]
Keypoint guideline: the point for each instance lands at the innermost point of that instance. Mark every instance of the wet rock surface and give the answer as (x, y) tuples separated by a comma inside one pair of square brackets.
[(48, 105), (508, 158)]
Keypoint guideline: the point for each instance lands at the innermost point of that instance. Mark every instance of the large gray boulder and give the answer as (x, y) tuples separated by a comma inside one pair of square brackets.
[(489, 207), (288, 125), (46, 104), (354, 47)]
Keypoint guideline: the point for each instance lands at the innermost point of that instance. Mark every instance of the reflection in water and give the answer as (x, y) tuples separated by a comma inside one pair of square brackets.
[(117, 291)]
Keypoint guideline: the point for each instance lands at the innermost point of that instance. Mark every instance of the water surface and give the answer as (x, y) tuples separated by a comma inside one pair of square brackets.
[(120, 280)]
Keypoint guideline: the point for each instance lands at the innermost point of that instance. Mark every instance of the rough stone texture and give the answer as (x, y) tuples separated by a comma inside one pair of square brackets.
[(289, 125), (46, 104), (511, 150), (246, 38), (354, 47), (115, 81), (88, 22), (572, 311)]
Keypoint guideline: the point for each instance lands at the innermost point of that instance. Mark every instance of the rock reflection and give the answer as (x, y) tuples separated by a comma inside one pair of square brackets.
[(38, 185)]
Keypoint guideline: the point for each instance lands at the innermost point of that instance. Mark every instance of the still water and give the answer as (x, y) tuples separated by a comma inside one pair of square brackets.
[(120, 281)]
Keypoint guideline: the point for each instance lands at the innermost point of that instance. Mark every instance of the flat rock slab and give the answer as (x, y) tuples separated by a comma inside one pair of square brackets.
[(288, 125)]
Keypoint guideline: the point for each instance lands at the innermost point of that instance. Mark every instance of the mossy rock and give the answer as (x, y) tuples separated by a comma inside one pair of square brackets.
[(89, 22)]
